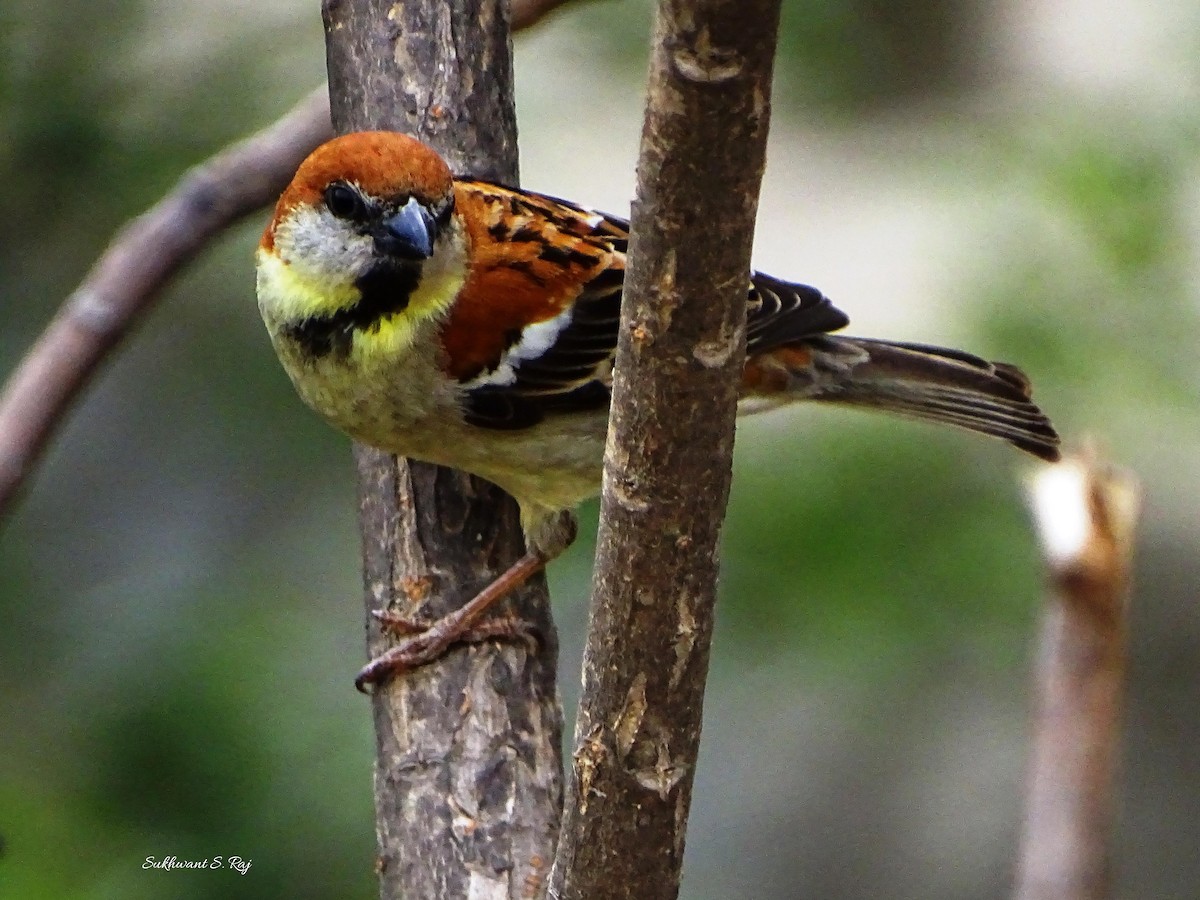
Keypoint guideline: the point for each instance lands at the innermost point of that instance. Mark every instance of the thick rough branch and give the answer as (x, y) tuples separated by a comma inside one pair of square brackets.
[(1085, 515), (127, 279), (667, 467), (468, 781)]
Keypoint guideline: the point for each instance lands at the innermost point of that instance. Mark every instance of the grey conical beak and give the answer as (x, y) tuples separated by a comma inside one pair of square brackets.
[(408, 234)]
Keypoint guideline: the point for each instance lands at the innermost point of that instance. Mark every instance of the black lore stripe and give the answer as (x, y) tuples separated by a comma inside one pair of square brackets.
[(385, 290)]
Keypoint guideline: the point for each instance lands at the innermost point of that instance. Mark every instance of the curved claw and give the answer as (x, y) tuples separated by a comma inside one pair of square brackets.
[(361, 681), (416, 650)]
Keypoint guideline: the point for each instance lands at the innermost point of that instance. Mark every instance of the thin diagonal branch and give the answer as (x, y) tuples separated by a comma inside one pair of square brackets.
[(1086, 515), (131, 274)]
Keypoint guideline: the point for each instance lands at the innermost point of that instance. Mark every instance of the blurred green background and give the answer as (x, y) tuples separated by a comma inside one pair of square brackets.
[(179, 594)]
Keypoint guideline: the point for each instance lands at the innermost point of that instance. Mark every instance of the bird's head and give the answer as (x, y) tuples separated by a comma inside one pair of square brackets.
[(364, 245)]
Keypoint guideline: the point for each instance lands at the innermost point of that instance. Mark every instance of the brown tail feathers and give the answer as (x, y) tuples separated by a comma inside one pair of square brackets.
[(930, 383)]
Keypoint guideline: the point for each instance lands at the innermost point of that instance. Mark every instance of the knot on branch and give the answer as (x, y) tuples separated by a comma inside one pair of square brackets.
[(703, 62)]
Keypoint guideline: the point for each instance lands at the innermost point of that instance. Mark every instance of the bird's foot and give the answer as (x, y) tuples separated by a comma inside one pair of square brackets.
[(424, 641)]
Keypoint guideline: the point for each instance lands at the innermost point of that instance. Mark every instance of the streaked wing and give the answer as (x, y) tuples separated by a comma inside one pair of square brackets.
[(535, 329)]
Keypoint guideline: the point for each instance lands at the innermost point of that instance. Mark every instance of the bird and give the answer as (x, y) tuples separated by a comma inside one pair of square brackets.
[(474, 325)]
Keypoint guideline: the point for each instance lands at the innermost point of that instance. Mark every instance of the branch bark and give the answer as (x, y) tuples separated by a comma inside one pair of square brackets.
[(1086, 516), (468, 767), (667, 469)]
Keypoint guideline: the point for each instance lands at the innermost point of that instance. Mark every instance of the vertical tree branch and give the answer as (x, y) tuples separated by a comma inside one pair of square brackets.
[(1085, 515), (467, 780), (667, 468)]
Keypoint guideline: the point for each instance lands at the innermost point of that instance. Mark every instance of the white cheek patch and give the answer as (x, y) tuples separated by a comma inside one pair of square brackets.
[(325, 247), (536, 340)]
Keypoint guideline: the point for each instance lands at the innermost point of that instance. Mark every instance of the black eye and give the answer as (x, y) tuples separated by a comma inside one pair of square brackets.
[(345, 202)]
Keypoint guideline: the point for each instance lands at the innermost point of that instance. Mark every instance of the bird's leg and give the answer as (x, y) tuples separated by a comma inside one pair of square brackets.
[(425, 642)]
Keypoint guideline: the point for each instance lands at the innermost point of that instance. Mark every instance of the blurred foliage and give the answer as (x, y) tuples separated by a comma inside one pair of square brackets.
[(841, 57), (850, 57), (179, 592), (840, 609)]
